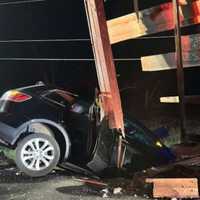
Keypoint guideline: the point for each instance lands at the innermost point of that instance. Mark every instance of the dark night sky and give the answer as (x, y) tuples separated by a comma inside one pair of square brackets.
[(45, 20), (66, 19)]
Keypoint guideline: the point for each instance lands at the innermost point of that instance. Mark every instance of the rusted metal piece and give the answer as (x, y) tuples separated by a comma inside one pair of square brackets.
[(105, 67), (180, 71), (152, 20), (175, 187)]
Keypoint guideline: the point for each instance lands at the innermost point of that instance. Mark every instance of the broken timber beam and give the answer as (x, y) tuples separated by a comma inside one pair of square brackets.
[(152, 20), (190, 52), (175, 187)]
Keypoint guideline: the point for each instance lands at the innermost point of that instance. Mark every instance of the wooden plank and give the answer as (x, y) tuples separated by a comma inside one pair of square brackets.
[(172, 99), (193, 99), (167, 61), (175, 187), (152, 20), (191, 56)]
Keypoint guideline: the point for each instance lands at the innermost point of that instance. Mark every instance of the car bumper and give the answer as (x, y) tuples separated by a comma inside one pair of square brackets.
[(9, 124), (6, 133)]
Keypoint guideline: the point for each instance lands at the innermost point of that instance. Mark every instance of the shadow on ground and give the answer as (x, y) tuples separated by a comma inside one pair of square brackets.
[(12, 175), (82, 190)]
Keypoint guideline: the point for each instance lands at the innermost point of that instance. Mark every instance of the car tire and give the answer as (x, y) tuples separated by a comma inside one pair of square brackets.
[(37, 154)]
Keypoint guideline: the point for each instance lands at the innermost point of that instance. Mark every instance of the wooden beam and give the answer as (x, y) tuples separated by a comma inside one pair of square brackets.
[(180, 70), (191, 57), (105, 66), (172, 99), (192, 99), (106, 72), (168, 62), (175, 187), (152, 20)]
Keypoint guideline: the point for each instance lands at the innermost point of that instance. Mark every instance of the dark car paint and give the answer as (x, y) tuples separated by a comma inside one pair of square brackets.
[(39, 108), (15, 118), (9, 124)]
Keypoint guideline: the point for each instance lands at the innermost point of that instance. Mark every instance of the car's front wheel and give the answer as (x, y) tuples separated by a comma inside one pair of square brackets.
[(37, 154)]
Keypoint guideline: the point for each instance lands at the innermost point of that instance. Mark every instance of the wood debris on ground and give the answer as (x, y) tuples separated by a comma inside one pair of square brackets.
[(174, 187)]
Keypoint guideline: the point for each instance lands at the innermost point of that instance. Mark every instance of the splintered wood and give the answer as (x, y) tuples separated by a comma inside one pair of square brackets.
[(174, 187)]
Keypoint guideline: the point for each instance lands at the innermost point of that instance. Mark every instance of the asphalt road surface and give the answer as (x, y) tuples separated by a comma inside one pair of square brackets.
[(59, 185)]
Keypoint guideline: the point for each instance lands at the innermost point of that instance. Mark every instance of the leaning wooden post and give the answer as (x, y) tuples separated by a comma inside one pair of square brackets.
[(105, 67), (180, 70)]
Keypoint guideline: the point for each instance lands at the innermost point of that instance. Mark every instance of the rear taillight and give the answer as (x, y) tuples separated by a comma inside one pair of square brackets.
[(15, 96)]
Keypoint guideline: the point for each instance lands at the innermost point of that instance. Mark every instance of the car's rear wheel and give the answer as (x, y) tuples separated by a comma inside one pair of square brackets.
[(37, 154)]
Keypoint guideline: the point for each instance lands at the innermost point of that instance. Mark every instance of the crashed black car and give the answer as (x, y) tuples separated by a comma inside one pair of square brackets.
[(47, 127)]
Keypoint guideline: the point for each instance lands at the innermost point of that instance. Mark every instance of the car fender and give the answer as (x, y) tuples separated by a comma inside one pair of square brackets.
[(25, 126)]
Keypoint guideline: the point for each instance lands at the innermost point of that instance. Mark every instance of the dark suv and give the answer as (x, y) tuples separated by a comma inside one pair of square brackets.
[(48, 126)]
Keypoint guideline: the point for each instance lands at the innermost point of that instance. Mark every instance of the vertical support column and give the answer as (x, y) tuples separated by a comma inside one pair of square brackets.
[(136, 8), (180, 70), (105, 68)]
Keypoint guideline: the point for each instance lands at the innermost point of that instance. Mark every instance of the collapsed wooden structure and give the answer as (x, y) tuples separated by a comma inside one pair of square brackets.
[(164, 17)]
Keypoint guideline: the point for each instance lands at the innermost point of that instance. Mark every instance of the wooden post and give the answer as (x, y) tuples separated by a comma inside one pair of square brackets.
[(106, 72), (136, 8), (180, 70)]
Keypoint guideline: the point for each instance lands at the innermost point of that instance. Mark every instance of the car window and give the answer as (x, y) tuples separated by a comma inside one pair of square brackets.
[(59, 97)]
